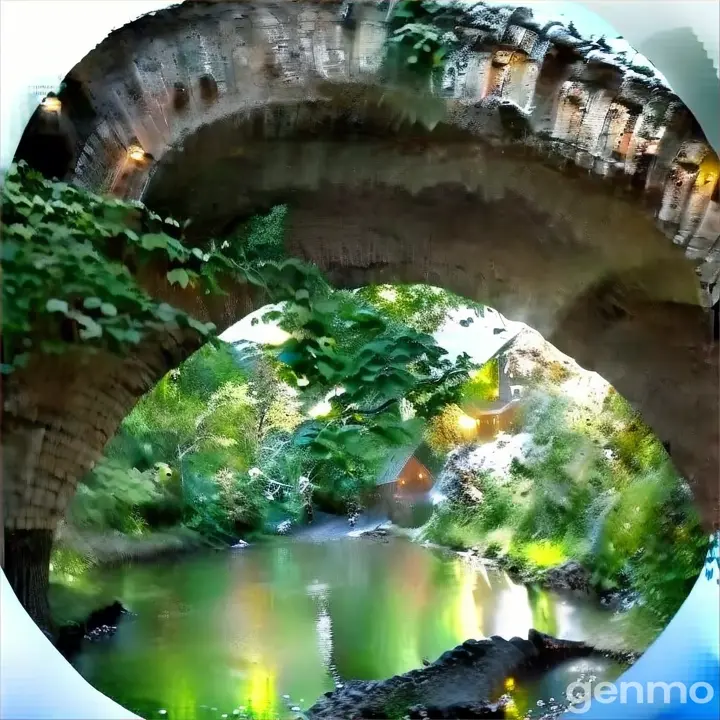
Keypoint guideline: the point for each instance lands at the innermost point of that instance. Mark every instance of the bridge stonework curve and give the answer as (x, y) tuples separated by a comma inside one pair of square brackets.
[(545, 177)]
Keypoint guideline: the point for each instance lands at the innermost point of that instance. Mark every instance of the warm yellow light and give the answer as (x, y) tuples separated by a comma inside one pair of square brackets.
[(51, 104), (319, 410), (421, 476), (389, 294), (510, 684), (465, 422), (136, 153)]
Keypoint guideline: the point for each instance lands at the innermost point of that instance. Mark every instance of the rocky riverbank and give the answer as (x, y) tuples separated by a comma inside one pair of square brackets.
[(465, 682), (570, 577)]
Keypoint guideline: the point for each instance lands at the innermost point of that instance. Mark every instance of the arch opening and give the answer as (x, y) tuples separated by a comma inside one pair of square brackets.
[(574, 384)]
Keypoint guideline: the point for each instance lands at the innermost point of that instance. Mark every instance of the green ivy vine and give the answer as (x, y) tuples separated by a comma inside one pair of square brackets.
[(422, 35), (71, 263), (395, 368)]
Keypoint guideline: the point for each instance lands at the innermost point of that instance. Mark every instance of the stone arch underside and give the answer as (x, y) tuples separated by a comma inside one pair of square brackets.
[(604, 241)]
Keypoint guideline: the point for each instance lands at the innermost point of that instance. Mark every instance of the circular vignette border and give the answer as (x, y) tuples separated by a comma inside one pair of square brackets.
[(680, 37)]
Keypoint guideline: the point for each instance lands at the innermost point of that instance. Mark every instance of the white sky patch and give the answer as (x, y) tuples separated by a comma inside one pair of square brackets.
[(261, 333), (479, 340)]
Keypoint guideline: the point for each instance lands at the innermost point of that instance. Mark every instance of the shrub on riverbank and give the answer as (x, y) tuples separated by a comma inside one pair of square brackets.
[(587, 484)]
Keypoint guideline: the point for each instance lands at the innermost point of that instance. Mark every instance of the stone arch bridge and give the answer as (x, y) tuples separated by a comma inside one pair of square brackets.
[(545, 177)]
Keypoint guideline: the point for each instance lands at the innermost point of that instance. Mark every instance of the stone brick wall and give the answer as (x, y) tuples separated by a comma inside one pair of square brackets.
[(161, 78)]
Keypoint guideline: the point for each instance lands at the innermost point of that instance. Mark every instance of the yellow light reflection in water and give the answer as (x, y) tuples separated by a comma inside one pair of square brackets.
[(511, 709), (467, 616), (261, 691)]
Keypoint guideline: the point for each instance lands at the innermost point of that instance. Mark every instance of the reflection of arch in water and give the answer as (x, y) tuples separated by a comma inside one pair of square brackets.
[(324, 630)]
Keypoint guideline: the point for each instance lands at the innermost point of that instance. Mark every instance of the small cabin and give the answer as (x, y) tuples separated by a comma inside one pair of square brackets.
[(403, 485), (498, 413), (409, 471), (413, 478)]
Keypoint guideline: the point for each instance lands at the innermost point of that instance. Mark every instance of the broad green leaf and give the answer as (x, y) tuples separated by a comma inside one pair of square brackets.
[(55, 305), (90, 328), (179, 277), (154, 241), (92, 303), (23, 231)]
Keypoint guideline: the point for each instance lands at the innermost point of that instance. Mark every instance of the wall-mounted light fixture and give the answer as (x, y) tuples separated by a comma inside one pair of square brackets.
[(51, 103), (136, 153)]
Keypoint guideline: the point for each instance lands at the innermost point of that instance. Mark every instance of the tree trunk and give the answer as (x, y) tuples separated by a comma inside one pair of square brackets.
[(27, 567)]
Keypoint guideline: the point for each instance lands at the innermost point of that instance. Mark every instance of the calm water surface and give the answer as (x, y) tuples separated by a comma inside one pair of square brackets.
[(240, 629)]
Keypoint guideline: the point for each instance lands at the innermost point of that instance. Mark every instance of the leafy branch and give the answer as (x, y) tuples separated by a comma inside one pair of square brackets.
[(71, 263), (421, 35)]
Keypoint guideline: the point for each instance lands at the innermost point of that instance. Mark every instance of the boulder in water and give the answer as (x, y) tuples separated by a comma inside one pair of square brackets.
[(378, 533), (99, 624), (239, 545), (570, 576)]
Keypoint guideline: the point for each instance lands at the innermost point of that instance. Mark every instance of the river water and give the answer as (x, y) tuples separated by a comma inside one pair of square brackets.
[(218, 633)]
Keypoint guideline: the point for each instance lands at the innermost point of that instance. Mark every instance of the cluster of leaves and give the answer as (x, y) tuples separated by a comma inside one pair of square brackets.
[(421, 307), (372, 380), (73, 262), (421, 35), (444, 432), (483, 386), (114, 498), (70, 261), (187, 453)]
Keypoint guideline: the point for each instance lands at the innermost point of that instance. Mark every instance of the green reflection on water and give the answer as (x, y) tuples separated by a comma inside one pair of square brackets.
[(220, 632)]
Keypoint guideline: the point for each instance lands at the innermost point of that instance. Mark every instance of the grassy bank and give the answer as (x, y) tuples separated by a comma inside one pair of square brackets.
[(597, 488)]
